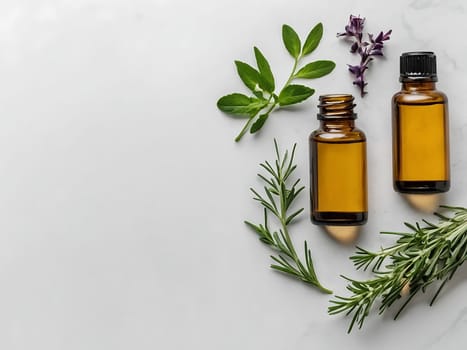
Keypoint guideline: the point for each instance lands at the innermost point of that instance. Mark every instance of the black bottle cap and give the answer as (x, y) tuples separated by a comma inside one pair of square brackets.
[(419, 65)]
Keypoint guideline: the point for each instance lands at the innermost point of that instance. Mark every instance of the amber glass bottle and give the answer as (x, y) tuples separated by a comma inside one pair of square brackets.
[(420, 128), (338, 165)]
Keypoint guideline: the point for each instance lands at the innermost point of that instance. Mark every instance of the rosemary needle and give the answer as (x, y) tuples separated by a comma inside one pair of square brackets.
[(430, 253), (280, 193)]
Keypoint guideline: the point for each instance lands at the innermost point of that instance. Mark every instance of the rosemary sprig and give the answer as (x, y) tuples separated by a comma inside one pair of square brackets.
[(278, 200), (431, 252)]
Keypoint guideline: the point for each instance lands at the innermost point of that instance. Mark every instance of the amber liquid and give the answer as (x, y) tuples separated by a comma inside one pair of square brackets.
[(339, 181), (420, 144)]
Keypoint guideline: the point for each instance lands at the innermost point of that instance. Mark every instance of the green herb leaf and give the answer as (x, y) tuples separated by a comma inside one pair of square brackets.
[(258, 94), (315, 70), (258, 124), (293, 94), (240, 105), (267, 79), (262, 84), (291, 40), (248, 74), (313, 39)]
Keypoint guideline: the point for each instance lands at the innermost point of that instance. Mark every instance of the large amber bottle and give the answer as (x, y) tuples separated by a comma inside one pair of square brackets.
[(420, 128), (338, 165)]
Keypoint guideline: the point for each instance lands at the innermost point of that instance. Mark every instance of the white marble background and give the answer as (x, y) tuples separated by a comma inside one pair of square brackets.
[(123, 195)]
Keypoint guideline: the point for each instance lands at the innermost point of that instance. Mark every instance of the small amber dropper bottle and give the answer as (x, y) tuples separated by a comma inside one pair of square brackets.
[(338, 165), (420, 128)]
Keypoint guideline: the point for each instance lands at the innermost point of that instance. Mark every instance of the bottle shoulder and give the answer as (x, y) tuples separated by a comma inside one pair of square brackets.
[(354, 134), (419, 97)]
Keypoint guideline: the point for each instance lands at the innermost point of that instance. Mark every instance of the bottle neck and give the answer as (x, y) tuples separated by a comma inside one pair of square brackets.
[(337, 124), (336, 109), (417, 85)]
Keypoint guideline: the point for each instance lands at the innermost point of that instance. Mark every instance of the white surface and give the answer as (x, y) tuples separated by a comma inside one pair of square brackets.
[(123, 194)]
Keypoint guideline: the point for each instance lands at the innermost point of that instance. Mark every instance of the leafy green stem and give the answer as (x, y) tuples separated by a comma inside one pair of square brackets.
[(430, 253), (256, 108), (245, 128), (272, 105), (294, 69), (251, 119), (278, 199), (308, 276)]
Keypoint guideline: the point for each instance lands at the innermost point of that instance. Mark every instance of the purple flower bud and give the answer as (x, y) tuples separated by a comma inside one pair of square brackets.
[(355, 70), (354, 28), (356, 24), (379, 38), (349, 30), (377, 47), (387, 35)]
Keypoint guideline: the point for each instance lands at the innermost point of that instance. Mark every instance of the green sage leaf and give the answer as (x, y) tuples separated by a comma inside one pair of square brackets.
[(258, 124), (267, 79), (291, 40), (248, 74), (256, 105), (258, 94), (240, 105), (293, 94), (315, 69), (313, 39)]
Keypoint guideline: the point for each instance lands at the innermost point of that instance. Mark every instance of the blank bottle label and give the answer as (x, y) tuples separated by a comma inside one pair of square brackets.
[(423, 143), (341, 177)]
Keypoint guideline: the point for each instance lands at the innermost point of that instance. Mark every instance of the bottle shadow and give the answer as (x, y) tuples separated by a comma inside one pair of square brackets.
[(425, 203), (346, 235)]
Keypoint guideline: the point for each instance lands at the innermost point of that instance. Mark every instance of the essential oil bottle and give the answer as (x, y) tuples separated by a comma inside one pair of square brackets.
[(420, 128), (338, 189)]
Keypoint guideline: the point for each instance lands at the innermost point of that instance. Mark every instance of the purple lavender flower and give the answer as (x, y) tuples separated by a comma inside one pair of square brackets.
[(366, 50), (354, 28)]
